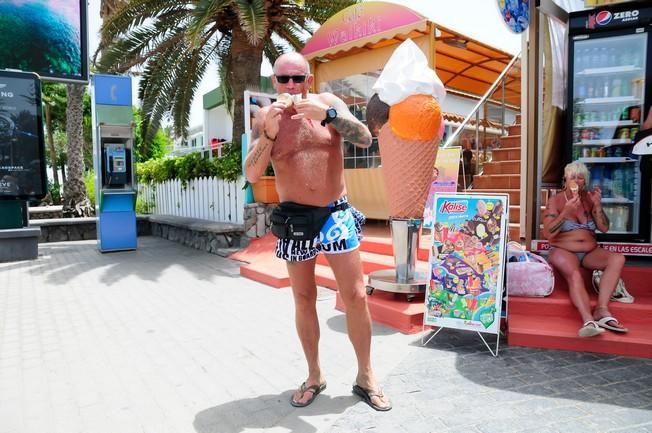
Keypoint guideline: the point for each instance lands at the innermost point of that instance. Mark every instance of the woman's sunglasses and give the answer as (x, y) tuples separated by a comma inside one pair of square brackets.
[(284, 79)]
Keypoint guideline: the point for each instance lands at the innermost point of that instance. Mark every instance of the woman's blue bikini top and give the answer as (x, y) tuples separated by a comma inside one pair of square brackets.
[(569, 225)]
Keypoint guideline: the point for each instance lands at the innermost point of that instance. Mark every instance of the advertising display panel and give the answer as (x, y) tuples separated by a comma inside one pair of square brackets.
[(47, 37), (467, 262), (22, 144)]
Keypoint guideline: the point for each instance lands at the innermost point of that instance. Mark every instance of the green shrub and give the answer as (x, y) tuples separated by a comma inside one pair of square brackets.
[(191, 166), (54, 189), (89, 181)]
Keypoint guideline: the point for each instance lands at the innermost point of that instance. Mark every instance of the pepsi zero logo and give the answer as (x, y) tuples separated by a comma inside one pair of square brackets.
[(627, 15), (454, 206), (603, 18)]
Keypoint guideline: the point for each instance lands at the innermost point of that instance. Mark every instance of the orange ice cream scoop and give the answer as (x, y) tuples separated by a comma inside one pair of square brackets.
[(417, 117)]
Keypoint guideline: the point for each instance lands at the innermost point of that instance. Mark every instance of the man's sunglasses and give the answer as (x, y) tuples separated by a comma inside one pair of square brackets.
[(284, 79)]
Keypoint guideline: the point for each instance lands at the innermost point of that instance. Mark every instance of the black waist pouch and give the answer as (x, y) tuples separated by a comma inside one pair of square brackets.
[(300, 222)]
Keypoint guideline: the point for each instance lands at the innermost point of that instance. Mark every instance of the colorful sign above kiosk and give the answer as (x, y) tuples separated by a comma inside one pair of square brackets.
[(360, 21)]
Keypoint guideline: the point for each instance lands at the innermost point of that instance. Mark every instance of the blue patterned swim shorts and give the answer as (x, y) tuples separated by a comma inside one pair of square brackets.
[(341, 233)]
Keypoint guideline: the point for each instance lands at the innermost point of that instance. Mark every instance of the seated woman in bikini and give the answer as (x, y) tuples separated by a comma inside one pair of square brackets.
[(569, 222)]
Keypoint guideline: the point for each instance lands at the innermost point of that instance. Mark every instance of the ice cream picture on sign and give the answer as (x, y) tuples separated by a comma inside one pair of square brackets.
[(410, 130)]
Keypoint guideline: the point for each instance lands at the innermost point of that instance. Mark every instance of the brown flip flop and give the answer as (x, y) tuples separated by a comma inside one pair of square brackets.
[(366, 396), (314, 389)]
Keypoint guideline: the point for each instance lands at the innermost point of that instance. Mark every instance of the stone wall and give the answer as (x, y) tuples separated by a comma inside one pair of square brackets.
[(257, 222), (212, 237), (45, 212), (78, 229)]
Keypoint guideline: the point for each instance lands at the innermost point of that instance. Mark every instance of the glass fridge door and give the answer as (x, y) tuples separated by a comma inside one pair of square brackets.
[(608, 100)]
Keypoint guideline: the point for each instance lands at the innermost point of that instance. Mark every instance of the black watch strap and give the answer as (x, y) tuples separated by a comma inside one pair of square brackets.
[(331, 114)]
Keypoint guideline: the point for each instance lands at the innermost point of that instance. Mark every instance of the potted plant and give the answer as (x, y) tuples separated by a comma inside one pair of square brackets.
[(265, 189)]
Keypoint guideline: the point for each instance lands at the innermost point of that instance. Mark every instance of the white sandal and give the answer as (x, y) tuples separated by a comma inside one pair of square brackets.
[(590, 329)]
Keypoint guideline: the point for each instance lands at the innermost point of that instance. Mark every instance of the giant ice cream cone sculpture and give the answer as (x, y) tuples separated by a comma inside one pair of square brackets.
[(410, 137)]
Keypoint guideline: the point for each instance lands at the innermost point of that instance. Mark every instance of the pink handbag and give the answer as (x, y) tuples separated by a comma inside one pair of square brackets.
[(527, 274)]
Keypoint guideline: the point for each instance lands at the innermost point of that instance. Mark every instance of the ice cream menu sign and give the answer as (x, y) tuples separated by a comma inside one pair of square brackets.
[(467, 262), (22, 157)]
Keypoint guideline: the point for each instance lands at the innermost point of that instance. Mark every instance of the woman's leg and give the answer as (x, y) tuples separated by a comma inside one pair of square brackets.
[(611, 264), (568, 265)]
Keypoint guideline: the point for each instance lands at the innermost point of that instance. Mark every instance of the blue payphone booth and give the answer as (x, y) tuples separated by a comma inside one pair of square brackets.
[(113, 159)]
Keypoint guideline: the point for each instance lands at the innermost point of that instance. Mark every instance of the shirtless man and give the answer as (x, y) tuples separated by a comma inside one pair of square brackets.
[(304, 143)]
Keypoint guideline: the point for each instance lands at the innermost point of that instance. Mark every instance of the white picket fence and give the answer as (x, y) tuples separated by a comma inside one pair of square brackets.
[(206, 198)]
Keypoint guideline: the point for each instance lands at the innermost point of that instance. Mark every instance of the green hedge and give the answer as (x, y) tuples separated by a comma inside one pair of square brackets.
[(191, 166)]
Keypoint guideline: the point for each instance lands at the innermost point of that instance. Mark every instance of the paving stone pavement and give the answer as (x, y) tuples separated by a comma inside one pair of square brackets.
[(171, 339)]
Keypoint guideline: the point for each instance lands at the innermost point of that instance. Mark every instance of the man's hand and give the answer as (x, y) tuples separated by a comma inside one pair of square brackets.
[(273, 117), (312, 109)]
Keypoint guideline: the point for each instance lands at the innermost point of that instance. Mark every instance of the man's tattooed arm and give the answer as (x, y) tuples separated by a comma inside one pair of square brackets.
[(350, 128), (259, 153)]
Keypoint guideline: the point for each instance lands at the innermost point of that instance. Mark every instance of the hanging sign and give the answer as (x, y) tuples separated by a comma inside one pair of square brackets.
[(467, 262)]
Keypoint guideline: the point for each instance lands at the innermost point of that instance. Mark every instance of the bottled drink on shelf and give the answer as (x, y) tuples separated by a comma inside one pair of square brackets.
[(626, 87), (616, 87), (613, 56), (604, 57), (604, 84), (595, 57), (581, 89)]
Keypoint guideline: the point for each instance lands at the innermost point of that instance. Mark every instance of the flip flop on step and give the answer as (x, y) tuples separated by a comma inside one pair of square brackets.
[(611, 323), (367, 395), (315, 390), (590, 329)]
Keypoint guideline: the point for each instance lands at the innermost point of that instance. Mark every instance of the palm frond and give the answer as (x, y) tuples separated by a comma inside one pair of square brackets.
[(253, 19), (272, 51), (205, 11)]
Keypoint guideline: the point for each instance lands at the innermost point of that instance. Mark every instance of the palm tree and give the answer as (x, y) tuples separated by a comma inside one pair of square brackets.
[(75, 202), (54, 101), (174, 41)]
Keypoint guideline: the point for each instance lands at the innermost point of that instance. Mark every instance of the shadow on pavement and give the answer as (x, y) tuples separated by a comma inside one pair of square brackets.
[(578, 376), (338, 324), (60, 262), (268, 411)]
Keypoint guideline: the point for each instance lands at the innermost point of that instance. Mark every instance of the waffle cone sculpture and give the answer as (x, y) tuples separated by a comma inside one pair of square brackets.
[(408, 148)]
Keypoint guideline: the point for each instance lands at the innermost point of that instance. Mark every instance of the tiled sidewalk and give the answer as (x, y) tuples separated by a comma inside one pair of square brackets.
[(170, 339)]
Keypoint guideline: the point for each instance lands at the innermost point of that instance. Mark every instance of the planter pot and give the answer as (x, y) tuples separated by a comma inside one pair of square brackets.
[(265, 190)]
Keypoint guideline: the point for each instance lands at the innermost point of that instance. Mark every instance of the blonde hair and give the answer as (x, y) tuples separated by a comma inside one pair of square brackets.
[(577, 168)]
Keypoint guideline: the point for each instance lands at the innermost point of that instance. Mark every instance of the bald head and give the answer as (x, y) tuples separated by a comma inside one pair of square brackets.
[(291, 59)]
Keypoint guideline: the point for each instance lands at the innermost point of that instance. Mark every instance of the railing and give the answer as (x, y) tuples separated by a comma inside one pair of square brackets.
[(482, 129), (206, 198)]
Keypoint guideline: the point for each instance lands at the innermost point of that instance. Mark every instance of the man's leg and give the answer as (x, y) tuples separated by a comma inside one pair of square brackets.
[(347, 268), (304, 289)]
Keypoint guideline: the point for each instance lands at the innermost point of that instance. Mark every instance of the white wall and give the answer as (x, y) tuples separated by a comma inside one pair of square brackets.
[(217, 124)]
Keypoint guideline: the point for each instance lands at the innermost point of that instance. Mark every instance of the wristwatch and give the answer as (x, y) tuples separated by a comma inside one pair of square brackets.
[(331, 114)]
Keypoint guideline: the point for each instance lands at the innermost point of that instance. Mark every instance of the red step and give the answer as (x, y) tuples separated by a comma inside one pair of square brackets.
[(561, 333), (552, 322), (393, 310)]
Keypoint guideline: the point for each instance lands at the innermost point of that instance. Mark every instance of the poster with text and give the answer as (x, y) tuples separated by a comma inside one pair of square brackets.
[(22, 144), (467, 262), (444, 178)]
